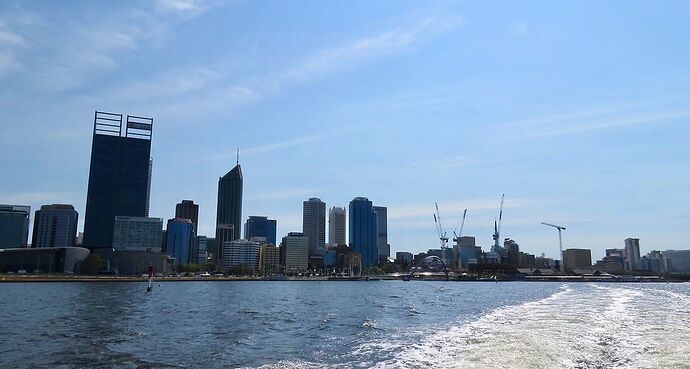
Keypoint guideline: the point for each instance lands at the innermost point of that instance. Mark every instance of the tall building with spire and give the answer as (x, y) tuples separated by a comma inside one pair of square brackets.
[(119, 175), (229, 210)]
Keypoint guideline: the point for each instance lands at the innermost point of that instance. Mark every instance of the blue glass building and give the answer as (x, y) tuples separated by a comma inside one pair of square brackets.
[(180, 240), (261, 227), (363, 230)]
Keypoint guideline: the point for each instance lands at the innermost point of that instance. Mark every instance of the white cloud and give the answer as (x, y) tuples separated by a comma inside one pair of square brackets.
[(288, 193), (181, 5), (7, 37)]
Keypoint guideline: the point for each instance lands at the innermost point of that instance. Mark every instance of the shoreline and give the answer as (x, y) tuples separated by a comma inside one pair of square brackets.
[(115, 279)]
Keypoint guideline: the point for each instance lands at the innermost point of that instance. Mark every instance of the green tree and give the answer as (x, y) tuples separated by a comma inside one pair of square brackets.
[(92, 264)]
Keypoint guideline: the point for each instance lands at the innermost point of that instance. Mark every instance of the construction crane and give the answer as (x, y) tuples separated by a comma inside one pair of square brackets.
[(462, 225), (560, 241), (441, 233), (497, 228)]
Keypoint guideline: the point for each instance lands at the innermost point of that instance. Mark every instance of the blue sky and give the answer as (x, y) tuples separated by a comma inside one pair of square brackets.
[(577, 110)]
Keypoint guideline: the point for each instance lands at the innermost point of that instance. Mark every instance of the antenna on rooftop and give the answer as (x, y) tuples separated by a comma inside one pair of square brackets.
[(238, 156)]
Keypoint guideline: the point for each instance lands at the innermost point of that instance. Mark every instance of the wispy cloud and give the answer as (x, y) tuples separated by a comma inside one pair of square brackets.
[(288, 193), (451, 208), (184, 6)]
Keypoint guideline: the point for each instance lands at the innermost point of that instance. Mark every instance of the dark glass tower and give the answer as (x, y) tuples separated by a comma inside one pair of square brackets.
[(363, 230), (229, 211), (187, 209), (261, 227), (118, 175)]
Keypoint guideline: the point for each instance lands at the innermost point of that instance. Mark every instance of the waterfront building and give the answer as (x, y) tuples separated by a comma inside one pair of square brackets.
[(270, 259), (676, 261), (363, 230), (119, 175), (632, 252), (43, 260), (512, 252), (180, 240), (201, 250), (294, 252), (241, 256), (137, 233), (314, 224), (611, 263), (403, 258), (577, 259), (336, 226), (467, 251), (652, 262), (14, 226), (382, 245), (55, 226), (229, 209), (261, 227), (187, 209)]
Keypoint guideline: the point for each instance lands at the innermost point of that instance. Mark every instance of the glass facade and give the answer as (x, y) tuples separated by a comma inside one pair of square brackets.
[(14, 226), (55, 226), (363, 230), (229, 210), (261, 227), (118, 179), (180, 241)]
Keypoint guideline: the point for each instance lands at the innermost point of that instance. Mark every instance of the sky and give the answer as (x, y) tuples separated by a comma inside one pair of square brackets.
[(577, 110)]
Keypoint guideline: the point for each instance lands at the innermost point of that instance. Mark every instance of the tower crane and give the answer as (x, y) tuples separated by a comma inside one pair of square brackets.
[(497, 228), (441, 233), (560, 241), (462, 225)]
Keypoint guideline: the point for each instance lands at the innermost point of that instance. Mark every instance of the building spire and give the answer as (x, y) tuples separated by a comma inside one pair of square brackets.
[(238, 156)]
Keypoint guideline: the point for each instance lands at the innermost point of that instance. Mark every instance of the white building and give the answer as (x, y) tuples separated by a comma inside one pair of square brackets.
[(138, 233), (241, 253)]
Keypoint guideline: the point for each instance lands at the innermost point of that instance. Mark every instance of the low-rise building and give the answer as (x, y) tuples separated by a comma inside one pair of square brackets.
[(577, 259), (270, 259), (294, 253), (138, 233), (241, 256)]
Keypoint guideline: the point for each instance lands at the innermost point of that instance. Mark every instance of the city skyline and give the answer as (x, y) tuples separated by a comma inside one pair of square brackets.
[(606, 160)]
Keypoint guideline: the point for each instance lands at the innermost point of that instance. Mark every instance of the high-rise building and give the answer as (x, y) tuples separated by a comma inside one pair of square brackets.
[(180, 240), (261, 227), (336, 226), (201, 250), (187, 209), (632, 252), (314, 224), (363, 230), (14, 226), (229, 210), (294, 252), (118, 175), (577, 259), (270, 259), (55, 226), (512, 252), (137, 233), (148, 188), (241, 254), (382, 231)]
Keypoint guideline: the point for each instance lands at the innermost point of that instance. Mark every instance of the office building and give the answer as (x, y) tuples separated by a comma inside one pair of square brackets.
[(148, 188), (294, 252), (180, 240), (363, 230), (137, 233), (336, 226), (261, 227), (632, 252), (382, 232), (14, 226), (241, 256), (512, 252), (314, 224), (676, 261), (270, 259), (577, 259), (404, 259), (229, 209), (187, 209), (119, 175), (55, 226), (201, 250)]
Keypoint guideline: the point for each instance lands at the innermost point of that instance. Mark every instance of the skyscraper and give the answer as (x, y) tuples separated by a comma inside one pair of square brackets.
[(632, 252), (261, 227), (118, 175), (187, 209), (363, 230), (55, 226), (229, 210), (14, 226), (382, 231), (180, 242), (336, 226), (314, 223)]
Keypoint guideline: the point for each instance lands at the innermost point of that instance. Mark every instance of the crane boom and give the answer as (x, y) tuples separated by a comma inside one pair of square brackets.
[(560, 241), (497, 227), (441, 233)]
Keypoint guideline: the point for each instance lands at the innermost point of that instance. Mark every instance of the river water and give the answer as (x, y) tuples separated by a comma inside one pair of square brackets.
[(344, 325)]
